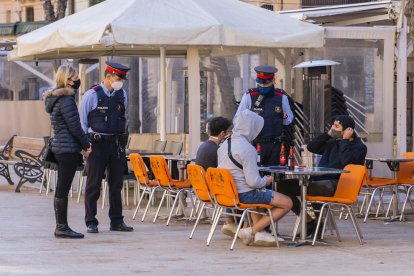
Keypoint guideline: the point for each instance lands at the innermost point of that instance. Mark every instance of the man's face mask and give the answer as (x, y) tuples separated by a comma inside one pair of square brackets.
[(336, 134), (117, 84), (264, 90)]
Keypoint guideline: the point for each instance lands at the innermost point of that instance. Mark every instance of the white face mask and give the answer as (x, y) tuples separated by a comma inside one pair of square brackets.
[(117, 85)]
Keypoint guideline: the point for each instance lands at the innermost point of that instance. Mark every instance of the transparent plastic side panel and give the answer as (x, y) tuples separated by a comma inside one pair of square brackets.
[(360, 77), (24, 80)]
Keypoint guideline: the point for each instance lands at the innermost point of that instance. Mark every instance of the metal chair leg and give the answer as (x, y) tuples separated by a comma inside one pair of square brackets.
[(159, 206), (200, 212), (238, 229), (80, 187), (318, 224), (213, 226), (356, 227), (407, 198), (369, 204), (49, 179), (177, 197), (148, 203), (272, 223), (296, 227), (44, 178), (332, 220), (139, 203)]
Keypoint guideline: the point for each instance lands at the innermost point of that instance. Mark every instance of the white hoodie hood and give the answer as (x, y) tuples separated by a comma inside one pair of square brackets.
[(247, 126)]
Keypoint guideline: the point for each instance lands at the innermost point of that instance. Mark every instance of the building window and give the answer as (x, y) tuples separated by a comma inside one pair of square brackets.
[(29, 14), (8, 16), (267, 7)]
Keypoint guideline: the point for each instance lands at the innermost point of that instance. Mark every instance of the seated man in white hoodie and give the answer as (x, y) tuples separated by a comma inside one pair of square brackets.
[(251, 187)]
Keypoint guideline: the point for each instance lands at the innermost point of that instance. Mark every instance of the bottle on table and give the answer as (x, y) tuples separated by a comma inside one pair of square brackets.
[(259, 149), (282, 156), (291, 159)]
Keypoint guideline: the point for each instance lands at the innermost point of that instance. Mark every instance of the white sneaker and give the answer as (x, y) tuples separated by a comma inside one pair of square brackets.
[(229, 229), (245, 234), (265, 239)]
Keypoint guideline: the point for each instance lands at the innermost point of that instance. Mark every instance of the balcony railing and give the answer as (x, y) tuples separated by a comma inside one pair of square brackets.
[(19, 28), (317, 3)]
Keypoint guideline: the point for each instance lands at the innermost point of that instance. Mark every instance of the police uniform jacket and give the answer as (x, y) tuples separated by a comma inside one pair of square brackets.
[(68, 134)]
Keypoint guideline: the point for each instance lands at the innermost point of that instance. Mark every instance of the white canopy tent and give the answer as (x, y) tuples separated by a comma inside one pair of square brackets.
[(168, 28)]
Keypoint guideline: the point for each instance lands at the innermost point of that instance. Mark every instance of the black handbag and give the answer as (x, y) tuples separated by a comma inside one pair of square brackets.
[(48, 155)]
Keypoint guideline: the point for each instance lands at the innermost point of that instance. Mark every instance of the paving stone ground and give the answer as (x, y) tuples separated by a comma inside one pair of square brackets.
[(28, 247)]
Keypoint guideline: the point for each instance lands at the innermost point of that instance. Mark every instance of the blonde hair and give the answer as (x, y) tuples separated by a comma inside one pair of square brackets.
[(63, 74)]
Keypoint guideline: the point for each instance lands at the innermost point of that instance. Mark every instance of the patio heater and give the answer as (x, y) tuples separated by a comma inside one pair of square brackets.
[(318, 101), (318, 104)]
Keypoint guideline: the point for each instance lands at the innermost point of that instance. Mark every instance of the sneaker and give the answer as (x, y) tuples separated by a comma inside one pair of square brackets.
[(264, 239), (229, 229), (245, 235)]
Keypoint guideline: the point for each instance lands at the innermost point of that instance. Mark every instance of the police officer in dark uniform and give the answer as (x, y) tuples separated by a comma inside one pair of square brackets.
[(273, 105), (102, 112)]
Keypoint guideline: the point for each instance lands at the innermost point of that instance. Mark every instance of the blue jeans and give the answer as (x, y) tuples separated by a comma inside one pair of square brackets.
[(257, 196)]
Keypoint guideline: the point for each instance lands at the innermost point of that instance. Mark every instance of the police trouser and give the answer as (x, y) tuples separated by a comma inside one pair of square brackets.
[(109, 156), (269, 155)]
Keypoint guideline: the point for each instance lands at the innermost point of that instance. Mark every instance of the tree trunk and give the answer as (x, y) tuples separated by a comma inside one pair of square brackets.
[(409, 13), (49, 11), (225, 84), (61, 9)]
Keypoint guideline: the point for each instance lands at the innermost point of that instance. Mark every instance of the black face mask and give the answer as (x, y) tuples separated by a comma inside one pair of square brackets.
[(76, 84)]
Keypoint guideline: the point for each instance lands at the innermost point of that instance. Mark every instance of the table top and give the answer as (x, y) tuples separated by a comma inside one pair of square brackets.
[(179, 158), (302, 171), (389, 159), (148, 152)]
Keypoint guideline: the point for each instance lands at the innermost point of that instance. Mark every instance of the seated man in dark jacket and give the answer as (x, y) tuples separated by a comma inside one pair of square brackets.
[(339, 147)]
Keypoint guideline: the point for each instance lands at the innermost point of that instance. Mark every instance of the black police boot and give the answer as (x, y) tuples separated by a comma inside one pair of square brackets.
[(62, 229)]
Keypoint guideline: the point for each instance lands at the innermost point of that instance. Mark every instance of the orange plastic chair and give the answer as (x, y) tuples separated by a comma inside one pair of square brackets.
[(405, 179), (148, 186), (224, 191), (172, 188), (371, 187), (196, 175), (346, 194)]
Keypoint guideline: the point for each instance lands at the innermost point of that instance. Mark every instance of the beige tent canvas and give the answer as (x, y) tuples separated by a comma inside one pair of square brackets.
[(139, 27), (187, 28)]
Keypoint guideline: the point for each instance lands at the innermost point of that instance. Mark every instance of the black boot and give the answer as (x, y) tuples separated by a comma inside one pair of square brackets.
[(62, 228)]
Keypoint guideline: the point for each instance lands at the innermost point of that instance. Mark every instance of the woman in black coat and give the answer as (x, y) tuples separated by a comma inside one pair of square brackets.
[(68, 142)]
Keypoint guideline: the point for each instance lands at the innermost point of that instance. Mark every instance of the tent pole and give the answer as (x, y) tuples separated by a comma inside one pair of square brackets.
[(402, 89), (193, 62), (163, 96)]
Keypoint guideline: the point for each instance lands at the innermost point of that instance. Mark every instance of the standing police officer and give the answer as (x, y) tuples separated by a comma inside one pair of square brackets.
[(102, 113), (273, 105)]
